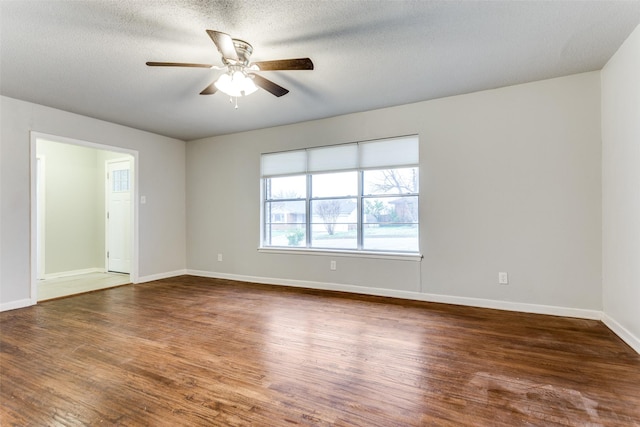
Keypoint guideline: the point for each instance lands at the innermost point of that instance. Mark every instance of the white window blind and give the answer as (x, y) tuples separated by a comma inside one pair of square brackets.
[(285, 163), (389, 153), (402, 151), (333, 158)]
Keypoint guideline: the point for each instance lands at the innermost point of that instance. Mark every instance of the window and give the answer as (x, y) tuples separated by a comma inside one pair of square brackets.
[(355, 197), (120, 180)]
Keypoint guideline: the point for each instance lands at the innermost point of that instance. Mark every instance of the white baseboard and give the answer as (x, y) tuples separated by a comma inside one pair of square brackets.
[(13, 305), (73, 273), (160, 276), (622, 332), (446, 299), (552, 310)]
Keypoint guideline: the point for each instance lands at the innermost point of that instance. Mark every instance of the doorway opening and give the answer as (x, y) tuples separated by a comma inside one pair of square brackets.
[(83, 217)]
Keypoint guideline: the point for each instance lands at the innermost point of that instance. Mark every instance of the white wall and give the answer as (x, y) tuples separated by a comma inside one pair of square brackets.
[(161, 179), (510, 181), (621, 190), (71, 199)]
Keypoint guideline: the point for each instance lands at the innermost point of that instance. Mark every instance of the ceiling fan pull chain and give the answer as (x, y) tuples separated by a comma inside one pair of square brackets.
[(231, 101)]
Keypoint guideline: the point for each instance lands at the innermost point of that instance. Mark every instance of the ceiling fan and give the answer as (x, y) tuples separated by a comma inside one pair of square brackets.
[(240, 78)]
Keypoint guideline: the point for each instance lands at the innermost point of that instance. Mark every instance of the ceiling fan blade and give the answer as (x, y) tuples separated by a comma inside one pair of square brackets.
[(224, 43), (177, 64), (269, 86), (286, 64), (209, 90)]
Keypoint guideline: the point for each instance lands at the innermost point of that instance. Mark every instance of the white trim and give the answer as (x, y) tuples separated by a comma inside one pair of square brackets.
[(13, 305), (41, 190), (624, 334), (160, 276), (34, 136), (33, 220), (342, 253), (446, 299), (73, 273), (551, 310)]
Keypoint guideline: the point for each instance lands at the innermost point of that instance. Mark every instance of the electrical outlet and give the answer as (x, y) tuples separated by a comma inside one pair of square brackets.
[(503, 278), (332, 265), (219, 257)]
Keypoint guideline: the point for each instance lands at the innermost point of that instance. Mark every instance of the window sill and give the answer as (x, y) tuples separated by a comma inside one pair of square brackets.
[(343, 253)]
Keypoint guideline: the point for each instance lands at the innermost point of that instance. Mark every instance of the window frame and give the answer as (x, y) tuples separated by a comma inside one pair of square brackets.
[(400, 152), (266, 222)]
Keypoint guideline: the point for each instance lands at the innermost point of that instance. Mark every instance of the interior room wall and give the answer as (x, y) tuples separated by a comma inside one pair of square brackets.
[(161, 179), (72, 224), (509, 181), (621, 190)]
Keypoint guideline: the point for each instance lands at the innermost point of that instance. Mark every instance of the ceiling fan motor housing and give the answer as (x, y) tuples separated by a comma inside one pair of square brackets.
[(244, 51)]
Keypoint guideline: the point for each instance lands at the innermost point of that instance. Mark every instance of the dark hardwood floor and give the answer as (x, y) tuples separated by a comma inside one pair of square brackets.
[(193, 351)]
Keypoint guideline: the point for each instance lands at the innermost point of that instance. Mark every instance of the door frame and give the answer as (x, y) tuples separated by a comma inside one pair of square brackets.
[(106, 203), (34, 137), (41, 184)]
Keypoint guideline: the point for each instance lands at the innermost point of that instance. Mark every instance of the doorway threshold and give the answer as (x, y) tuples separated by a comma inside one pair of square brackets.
[(81, 283)]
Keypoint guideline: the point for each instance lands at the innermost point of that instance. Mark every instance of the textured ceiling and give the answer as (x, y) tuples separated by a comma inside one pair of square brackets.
[(88, 57)]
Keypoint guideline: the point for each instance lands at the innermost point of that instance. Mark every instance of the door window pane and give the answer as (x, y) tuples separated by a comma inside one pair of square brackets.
[(120, 180)]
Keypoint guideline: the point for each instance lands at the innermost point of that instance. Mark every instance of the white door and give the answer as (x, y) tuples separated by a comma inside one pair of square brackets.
[(119, 186)]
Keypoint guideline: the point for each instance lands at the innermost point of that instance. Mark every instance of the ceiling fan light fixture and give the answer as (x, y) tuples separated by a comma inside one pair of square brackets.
[(240, 78), (236, 84)]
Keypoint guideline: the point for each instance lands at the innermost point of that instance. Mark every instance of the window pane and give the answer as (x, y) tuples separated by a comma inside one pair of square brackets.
[(286, 187), (390, 224), (391, 210), (334, 224), (285, 224), (391, 181), (285, 212), (390, 237), (334, 184)]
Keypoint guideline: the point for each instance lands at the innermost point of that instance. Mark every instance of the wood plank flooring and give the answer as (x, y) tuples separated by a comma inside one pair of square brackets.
[(194, 351)]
